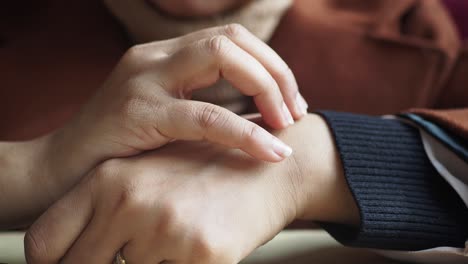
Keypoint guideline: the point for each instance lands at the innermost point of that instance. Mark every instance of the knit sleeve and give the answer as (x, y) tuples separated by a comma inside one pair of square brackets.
[(404, 203)]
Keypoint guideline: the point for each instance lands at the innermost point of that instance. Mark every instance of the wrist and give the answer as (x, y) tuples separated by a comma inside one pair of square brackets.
[(25, 180), (43, 166), (70, 154), (316, 174), (297, 168)]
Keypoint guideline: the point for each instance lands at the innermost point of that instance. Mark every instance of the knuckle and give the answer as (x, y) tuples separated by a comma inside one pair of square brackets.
[(169, 213), (284, 71), (250, 132), (127, 198), (219, 45), (36, 250), (209, 250), (172, 220), (285, 74), (129, 201), (272, 87), (205, 248), (235, 30), (210, 115), (106, 172), (118, 192), (108, 175), (133, 54)]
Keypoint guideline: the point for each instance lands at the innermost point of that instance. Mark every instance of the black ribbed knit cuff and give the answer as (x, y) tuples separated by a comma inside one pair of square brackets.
[(404, 203)]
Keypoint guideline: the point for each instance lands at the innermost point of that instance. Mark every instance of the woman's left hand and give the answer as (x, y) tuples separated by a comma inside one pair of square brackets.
[(193, 202), (185, 203)]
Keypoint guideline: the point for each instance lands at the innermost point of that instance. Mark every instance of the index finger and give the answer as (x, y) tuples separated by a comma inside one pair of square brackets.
[(50, 237)]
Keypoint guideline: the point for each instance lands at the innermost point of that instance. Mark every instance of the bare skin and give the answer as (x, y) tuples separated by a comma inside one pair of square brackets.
[(145, 104), (196, 8), (194, 203), (299, 188)]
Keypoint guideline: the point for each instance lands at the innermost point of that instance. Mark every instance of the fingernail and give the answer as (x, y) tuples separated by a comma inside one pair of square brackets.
[(287, 114), (281, 149), (301, 104)]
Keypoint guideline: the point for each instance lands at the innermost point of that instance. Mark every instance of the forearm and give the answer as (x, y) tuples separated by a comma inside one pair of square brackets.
[(34, 174), (24, 193), (72, 152)]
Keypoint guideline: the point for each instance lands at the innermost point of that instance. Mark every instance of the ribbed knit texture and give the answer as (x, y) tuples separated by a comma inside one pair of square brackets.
[(404, 203)]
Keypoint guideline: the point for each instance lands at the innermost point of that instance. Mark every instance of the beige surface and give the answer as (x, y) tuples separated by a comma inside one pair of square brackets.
[(291, 247)]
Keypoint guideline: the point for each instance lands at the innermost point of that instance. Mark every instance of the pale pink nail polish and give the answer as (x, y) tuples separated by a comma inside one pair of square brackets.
[(281, 149), (301, 104), (287, 115)]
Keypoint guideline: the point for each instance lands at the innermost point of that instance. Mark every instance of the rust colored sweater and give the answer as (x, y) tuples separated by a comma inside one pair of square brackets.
[(378, 57), (373, 57)]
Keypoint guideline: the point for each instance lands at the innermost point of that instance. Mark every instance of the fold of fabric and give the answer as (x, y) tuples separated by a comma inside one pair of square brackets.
[(404, 203)]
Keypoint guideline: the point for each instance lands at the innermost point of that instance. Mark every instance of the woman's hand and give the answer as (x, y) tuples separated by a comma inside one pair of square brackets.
[(193, 203), (184, 203), (143, 105)]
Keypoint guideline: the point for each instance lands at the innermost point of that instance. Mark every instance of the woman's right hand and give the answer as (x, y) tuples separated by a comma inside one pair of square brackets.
[(143, 104)]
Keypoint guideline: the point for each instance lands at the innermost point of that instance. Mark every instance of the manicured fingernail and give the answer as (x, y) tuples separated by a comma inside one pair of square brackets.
[(287, 114), (301, 104), (281, 149)]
